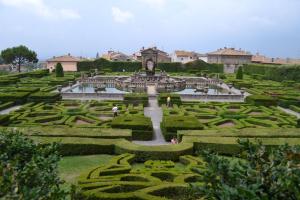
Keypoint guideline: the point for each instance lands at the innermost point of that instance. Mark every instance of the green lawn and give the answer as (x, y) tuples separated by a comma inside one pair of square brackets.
[(70, 167)]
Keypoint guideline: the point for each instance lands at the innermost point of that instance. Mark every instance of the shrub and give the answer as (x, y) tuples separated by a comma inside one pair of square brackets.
[(262, 100), (171, 124), (59, 70), (4, 119)]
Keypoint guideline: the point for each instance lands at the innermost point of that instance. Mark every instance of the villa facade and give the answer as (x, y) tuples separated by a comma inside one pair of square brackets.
[(162, 57), (116, 56), (68, 62), (230, 57)]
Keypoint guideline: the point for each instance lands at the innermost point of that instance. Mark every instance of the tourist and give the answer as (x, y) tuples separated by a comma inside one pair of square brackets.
[(169, 101), (174, 141), (115, 110)]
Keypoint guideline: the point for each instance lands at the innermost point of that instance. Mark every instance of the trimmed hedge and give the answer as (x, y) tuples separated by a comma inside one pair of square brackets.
[(44, 97), (18, 97), (175, 99), (4, 119), (262, 100), (136, 99), (141, 126), (171, 124), (105, 65), (274, 72)]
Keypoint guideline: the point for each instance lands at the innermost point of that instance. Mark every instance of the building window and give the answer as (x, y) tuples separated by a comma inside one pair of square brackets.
[(181, 58)]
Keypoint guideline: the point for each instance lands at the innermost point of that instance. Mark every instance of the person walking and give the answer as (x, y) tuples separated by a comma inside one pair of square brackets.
[(169, 101), (115, 110)]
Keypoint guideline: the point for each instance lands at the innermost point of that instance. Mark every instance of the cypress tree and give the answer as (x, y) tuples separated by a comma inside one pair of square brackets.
[(239, 74), (59, 70)]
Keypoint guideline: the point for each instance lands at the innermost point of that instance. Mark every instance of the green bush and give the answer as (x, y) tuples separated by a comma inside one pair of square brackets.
[(171, 124), (59, 70), (262, 100)]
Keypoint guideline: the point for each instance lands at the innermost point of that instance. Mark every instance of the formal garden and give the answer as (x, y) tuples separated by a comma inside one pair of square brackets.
[(221, 145)]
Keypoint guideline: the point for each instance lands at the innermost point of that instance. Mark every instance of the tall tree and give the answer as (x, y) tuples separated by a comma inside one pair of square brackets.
[(59, 70), (19, 56), (28, 171)]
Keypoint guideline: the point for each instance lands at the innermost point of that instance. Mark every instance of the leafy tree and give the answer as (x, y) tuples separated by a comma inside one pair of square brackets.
[(1, 60), (240, 73), (59, 70), (259, 173), (28, 171), (19, 56)]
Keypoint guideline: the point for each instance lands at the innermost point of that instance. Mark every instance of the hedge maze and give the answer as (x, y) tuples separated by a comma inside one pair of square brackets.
[(199, 116), (124, 179), (76, 114)]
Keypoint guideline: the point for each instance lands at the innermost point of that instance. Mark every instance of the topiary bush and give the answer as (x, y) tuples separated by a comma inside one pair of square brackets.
[(136, 99)]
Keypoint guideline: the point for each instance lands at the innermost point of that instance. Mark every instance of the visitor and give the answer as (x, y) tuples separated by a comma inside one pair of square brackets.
[(115, 110), (174, 141), (169, 101)]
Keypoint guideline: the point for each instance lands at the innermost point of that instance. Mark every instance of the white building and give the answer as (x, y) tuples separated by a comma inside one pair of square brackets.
[(184, 56)]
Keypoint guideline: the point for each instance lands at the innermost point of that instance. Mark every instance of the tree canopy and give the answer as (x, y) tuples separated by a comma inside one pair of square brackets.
[(258, 173), (19, 56), (28, 171)]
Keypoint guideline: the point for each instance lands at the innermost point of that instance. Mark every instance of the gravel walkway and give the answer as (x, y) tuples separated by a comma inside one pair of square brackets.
[(291, 112), (155, 113), (8, 110)]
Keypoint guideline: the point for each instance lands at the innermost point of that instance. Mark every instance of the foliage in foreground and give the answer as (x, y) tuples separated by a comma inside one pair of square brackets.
[(258, 173), (28, 171)]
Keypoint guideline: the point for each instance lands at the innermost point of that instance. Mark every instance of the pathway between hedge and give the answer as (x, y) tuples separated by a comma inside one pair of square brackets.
[(155, 113), (291, 112), (8, 110)]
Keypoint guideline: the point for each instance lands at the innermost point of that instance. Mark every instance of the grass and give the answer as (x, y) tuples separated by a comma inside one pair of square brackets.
[(72, 166)]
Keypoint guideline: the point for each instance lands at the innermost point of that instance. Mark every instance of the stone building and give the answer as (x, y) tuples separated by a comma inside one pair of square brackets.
[(230, 57), (162, 57), (68, 62), (116, 56)]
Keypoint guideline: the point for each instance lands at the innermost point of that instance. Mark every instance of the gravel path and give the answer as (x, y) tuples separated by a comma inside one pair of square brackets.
[(291, 112), (155, 113), (8, 110)]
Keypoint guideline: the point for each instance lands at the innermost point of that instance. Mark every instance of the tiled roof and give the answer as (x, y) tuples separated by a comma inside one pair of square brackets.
[(66, 58), (185, 54), (230, 52)]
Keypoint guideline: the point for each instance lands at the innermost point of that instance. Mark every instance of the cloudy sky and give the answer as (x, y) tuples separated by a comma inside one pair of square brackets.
[(85, 27)]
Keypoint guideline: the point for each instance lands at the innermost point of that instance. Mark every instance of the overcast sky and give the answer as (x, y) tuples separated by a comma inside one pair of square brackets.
[(85, 27)]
